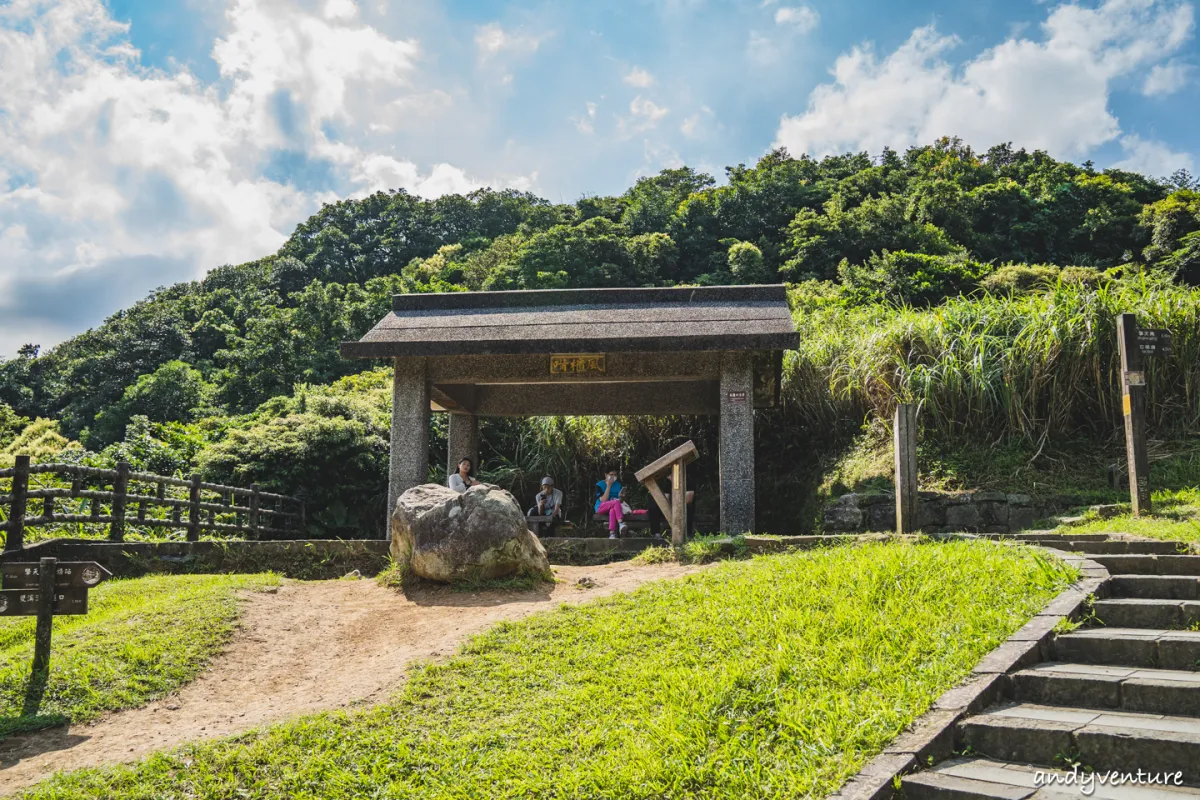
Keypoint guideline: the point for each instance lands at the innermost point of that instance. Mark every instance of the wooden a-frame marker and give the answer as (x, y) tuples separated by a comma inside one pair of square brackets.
[(675, 463)]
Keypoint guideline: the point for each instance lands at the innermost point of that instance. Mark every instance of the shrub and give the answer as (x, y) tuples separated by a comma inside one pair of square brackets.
[(337, 465)]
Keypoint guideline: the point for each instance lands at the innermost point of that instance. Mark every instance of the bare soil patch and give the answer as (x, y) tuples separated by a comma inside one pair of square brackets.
[(306, 648)]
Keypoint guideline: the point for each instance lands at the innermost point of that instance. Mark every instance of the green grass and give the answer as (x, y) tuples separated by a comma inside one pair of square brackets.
[(141, 638), (776, 676), (1176, 518)]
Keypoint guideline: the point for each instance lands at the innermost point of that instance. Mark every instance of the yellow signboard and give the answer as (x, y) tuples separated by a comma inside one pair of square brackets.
[(577, 364)]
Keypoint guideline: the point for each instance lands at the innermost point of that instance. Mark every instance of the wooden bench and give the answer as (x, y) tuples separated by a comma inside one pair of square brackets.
[(639, 522)]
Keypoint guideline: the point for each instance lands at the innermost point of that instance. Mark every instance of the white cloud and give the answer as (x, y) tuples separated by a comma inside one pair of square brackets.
[(1050, 94), (761, 49), (639, 77), (1151, 158), (802, 18), (586, 124), (1165, 79), (492, 40), (115, 178), (644, 115), (698, 125), (340, 9)]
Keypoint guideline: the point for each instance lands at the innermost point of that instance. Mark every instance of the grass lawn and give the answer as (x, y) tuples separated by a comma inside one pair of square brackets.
[(140, 638), (1176, 518), (778, 676)]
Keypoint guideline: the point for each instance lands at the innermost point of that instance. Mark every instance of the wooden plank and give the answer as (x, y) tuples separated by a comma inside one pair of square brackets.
[(657, 494), (678, 502), (657, 468)]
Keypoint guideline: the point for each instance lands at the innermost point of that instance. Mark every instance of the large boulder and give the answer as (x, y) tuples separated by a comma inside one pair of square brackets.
[(445, 536)]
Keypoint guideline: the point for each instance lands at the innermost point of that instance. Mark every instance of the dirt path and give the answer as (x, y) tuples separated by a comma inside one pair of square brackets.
[(306, 648)]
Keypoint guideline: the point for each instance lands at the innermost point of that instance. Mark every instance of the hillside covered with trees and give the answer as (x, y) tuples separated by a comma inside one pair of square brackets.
[(238, 375)]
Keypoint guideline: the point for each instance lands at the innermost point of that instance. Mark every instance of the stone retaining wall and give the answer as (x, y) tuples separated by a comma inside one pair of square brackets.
[(974, 512), (297, 558)]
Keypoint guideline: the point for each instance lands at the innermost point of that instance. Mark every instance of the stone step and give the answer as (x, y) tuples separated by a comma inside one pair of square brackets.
[(1148, 564), (1130, 647), (1167, 587), (1042, 537), (1115, 546), (1133, 689), (1147, 612), (1102, 741), (972, 777)]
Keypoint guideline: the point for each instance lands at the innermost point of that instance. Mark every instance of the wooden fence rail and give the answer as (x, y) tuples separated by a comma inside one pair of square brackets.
[(208, 506)]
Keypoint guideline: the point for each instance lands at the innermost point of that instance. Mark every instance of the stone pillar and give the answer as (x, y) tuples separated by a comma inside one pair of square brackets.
[(462, 441), (409, 462), (737, 443)]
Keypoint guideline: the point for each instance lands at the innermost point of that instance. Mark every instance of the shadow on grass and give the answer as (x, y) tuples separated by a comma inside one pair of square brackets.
[(30, 718)]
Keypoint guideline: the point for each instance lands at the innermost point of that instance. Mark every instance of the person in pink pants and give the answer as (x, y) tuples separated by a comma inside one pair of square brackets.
[(608, 501)]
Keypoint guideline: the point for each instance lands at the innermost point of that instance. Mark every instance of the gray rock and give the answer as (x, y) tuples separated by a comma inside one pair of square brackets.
[(931, 513), (962, 517), (843, 515), (989, 497), (881, 516), (993, 515), (480, 534), (1019, 500), (1021, 518)]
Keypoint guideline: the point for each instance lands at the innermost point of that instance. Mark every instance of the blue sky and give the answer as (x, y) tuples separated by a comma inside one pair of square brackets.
[(147, 141)]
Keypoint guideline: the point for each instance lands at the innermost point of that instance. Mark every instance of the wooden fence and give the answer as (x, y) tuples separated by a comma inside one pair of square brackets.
[(140, 499)]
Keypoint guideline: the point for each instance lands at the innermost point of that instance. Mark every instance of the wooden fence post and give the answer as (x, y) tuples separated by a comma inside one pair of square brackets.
[(193, 530), (116, 531), (1133, 404), (254, 500), (16, 510), (906, 468), (45, 616)]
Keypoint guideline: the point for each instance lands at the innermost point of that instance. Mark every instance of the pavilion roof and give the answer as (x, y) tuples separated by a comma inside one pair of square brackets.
[(582, 320)]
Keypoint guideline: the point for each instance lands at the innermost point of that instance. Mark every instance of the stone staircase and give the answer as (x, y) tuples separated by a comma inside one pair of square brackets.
[(1121, 692)]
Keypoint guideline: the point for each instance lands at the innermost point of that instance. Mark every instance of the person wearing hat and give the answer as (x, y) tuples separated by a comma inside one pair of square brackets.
[(548, 503)]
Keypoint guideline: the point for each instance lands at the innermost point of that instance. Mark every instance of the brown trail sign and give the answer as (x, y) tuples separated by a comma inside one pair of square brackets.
[(1135, 345), (45, 589)]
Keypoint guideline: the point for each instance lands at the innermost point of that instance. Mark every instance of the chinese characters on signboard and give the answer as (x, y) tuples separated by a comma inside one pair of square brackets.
[(1154, 342), (577, 364)]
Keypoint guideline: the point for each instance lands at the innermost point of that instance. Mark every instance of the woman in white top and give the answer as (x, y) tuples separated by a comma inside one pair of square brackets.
[(462, 480)]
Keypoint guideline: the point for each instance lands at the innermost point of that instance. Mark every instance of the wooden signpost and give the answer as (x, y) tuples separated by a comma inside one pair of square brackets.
[(905, 430), (1135, 346), (44, 589)]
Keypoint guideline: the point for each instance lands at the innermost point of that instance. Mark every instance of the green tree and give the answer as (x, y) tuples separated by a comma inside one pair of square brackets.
[(175, 392)]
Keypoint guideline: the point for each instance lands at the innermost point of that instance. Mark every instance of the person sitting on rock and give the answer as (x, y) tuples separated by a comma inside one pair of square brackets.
[(608, 501), (548, 503), (463, 479)]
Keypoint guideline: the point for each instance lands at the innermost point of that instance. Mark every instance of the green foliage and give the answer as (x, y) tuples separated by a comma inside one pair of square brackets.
[(1023, 278), (11, 424), (1174, 223), (338, 465), (773, 677), (175, 392), (909, 278), (1025, 366), (41, 441), (140, 639)]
